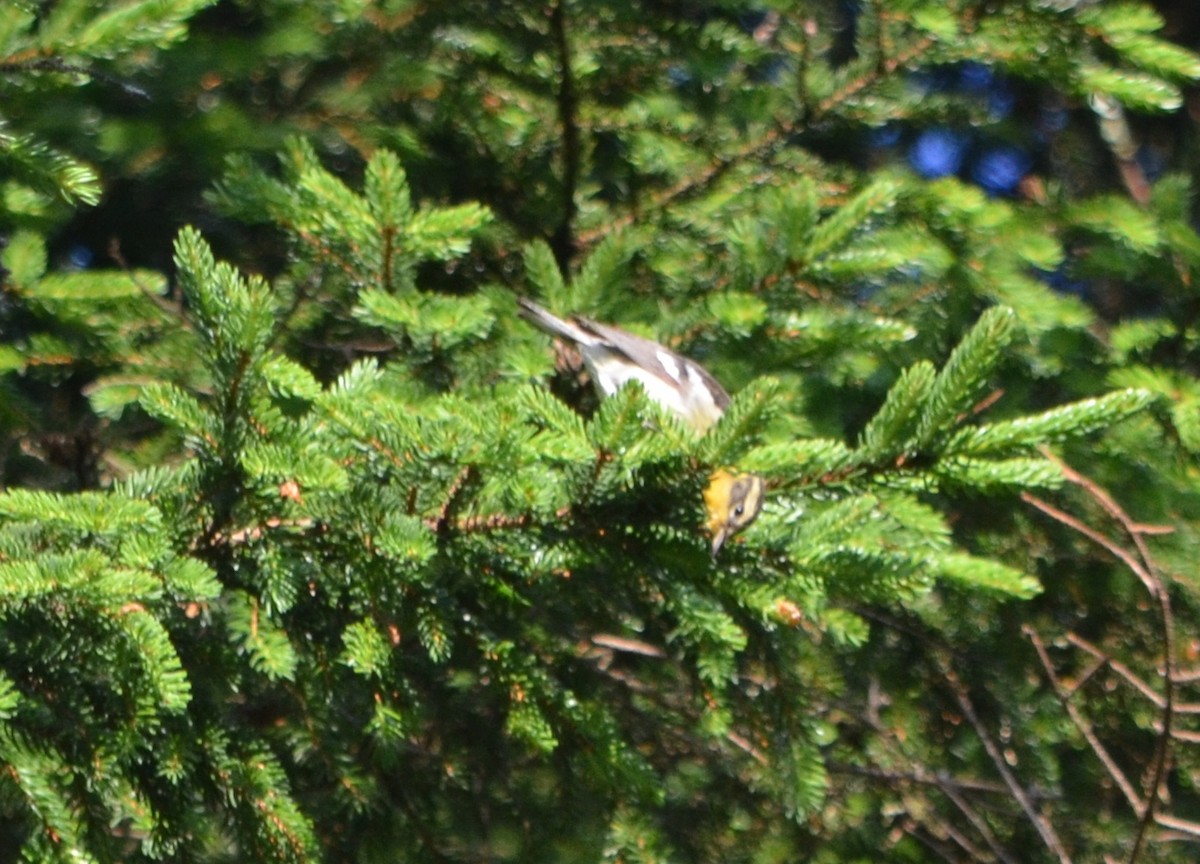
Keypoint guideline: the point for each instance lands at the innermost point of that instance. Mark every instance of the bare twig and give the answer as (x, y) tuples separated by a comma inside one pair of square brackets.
[(977, 822), (1183, 826), (1135, 680), (1117, 666), (1114, 129), (743, 744), (1085, 728), (627, 646), (1040, 823), (1092, 534)]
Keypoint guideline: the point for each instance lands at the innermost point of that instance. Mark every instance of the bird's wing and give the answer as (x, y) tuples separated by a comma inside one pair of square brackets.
[(660, 361)]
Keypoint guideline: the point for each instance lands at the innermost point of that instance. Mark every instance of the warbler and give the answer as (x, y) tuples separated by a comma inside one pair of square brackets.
[(615, 357)]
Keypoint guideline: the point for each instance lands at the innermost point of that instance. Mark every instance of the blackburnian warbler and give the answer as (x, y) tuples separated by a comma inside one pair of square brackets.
[(615, 357)]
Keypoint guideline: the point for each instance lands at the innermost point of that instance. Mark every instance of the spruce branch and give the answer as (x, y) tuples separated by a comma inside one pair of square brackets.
[(48, 170)]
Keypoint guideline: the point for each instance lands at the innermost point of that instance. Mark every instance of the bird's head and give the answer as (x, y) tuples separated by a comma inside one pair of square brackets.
[(732, 501)]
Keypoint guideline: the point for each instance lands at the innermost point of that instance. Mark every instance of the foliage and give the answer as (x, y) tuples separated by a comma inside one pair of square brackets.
[(310, 551)]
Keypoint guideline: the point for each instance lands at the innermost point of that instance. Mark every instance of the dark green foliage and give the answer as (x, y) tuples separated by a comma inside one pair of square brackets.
[(323, 554)]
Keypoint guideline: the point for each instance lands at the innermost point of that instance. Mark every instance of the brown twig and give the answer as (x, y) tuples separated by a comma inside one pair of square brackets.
[(977, 822), (1085, 728), (1130, 676), (627, 646), (919, 776), (1114, 129), (743, 744), (1040, 823)]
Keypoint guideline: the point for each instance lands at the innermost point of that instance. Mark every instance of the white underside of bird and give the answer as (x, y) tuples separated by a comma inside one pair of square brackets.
[(615, 357)]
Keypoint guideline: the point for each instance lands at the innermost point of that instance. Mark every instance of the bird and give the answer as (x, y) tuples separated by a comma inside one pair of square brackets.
[(614, 357)]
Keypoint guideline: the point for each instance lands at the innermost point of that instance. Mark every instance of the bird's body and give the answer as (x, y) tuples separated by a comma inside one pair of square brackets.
[(615, 357)]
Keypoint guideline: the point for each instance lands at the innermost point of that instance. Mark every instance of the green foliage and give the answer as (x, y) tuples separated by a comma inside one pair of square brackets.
[(73, 36), (327, 555), (46, 170)]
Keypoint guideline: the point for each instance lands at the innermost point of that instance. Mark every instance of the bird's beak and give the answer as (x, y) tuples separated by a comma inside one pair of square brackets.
[(719, 538)]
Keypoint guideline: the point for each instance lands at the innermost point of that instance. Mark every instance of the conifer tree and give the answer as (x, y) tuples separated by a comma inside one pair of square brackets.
[(310, 551)]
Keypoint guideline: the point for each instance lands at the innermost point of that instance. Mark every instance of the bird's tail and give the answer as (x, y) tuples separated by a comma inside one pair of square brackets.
[(551, 323)]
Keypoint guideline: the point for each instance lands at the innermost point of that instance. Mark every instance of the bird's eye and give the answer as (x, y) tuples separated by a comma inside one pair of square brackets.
[(738, 510)]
